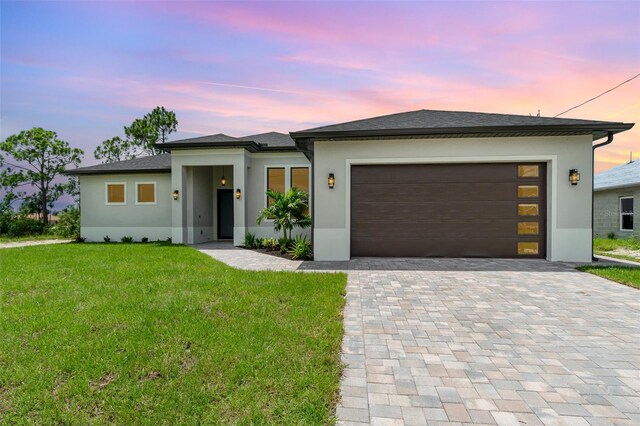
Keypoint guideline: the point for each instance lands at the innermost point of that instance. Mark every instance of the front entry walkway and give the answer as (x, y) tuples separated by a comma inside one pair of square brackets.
[(504, 342)]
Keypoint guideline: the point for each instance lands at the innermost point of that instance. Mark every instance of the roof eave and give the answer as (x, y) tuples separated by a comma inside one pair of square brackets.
[(623, 186), (114, 172), (614, 127), (250, 146)]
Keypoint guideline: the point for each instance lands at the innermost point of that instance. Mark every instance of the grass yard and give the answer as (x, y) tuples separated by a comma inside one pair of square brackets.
[(628, 248), (161, 334), (622, 274)]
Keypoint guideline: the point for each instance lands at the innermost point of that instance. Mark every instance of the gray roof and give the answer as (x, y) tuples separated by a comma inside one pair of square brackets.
[(618, 177), (425, 122), (153, 164), (269, 141)]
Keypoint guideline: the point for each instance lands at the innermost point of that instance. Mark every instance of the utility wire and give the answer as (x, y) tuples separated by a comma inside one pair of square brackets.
[(596, 97)]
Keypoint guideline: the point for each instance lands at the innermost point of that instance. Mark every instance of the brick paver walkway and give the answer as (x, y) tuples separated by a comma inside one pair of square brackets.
[(506, 342)]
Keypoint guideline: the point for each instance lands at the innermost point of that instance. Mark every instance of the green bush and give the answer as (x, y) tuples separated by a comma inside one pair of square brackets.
[(20, 227), (249, 240), (301, 249), (68, 223), (126, 239), (144, 240), (107, 239), (269, 244), (611, 235), (257, 243), (284, 244)]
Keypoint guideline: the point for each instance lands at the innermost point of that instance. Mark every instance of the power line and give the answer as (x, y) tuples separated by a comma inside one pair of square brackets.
[(596, 97)]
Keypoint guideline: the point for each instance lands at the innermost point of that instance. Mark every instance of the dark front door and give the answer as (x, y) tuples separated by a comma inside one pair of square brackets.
[(448, 210), (225, 214)]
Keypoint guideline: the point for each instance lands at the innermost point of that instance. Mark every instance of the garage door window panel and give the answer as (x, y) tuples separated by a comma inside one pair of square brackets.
[(528, 171)]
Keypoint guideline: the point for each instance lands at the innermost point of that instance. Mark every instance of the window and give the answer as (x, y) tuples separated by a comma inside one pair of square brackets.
[(116, 193), (528, 191), (528, 170), (626, 214), (281, 179), (145, 192), (528, 228), (300, 178), (275, 181), (527, 210), (526, 248)]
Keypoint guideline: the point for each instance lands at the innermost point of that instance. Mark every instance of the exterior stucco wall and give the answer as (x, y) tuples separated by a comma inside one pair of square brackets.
[(98, 219), (243, 170), (607, 212), (257, 199), (569, 207)]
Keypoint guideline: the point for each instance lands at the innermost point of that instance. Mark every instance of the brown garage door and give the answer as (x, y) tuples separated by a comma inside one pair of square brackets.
[(448, 210)]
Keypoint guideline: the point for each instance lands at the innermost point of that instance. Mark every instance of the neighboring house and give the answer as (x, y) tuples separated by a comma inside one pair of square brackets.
[(419, 183), (617, 200), (53, 220)]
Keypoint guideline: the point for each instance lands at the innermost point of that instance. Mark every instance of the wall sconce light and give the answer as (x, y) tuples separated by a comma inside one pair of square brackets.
[(223, 180), (175, 194), (574, 176), (331, 181), (238, 194)]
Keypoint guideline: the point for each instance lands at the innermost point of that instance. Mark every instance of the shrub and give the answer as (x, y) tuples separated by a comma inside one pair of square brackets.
[(611, 235), (126, 239), (301, 249), (20, 227), (144, 240), (69, 223), (80, 239), (257, 243), (269, 244), (168, 239), (249, 240), (284, 244), (107, 239)]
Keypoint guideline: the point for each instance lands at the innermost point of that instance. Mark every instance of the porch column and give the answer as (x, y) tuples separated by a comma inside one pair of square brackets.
[(178, 207), (240, 170)]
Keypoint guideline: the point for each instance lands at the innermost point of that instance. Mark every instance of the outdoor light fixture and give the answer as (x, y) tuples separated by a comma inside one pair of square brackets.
[(331, 181), (175, 194), (223, 180), (574, 176), (238, 194)]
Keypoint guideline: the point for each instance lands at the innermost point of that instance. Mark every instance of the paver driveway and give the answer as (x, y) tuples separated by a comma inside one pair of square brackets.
[(493, 342), (481, 341)]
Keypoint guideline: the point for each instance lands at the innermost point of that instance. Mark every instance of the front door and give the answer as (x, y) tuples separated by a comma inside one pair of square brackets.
[(225, 214)]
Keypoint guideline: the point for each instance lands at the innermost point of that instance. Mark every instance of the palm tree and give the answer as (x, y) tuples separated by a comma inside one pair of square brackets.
[(287, 210)]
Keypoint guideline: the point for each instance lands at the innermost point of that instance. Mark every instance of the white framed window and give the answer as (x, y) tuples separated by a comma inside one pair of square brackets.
[(626, 213), (115, 193), (146, 193), (281, 178)]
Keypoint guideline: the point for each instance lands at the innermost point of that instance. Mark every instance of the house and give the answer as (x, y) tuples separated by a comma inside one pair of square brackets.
[(616, 201), (419, 183)]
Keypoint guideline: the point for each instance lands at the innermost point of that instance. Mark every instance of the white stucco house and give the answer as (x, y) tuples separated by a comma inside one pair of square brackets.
[(616, 201), (419, 183)]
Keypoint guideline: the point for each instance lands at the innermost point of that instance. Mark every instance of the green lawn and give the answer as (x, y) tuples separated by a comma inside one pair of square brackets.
[(161, 334), (622, 274), (608, 246)]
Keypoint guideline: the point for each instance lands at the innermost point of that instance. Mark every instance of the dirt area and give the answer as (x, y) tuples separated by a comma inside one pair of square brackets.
[(31, 243)]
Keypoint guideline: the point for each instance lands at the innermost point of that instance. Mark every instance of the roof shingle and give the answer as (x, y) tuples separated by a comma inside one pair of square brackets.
[(618, 177)]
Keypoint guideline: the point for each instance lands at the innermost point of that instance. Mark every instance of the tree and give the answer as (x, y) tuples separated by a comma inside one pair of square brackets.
[(36, 158), (287, 211), (114, 149), (141, 136)]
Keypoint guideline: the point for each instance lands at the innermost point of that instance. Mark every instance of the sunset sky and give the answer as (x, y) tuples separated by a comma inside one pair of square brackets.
[(86, 69)]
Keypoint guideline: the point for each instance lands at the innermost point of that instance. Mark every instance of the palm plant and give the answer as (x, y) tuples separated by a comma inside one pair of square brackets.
[(287, 210)]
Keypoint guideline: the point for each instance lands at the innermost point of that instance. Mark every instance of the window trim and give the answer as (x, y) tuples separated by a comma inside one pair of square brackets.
[(626, 197), (106, 193), (155, 193), (287, 179)]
